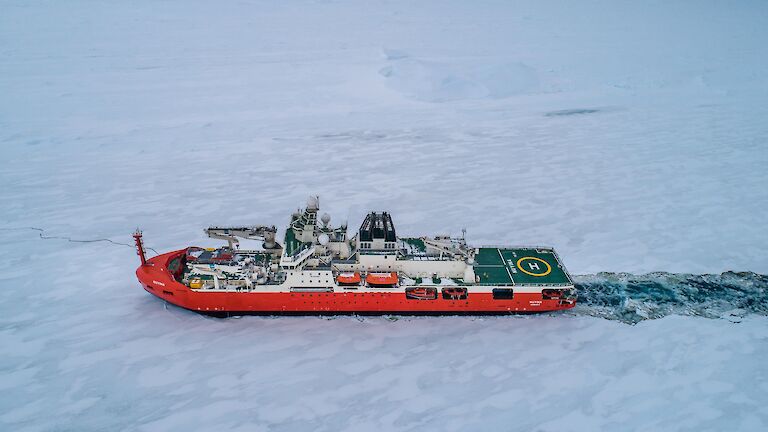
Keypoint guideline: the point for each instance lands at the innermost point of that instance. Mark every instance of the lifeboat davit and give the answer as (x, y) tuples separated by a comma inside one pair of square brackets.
[(456, 293), (349, 279), (382, 279)]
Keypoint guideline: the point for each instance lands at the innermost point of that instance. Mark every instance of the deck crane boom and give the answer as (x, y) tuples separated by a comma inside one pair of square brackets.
[(255, 232), (445, 244)]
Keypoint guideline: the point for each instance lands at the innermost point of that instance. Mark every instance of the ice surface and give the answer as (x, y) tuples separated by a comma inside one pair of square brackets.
[(631, 136), (440, 82), (132, 364), (120, 115)]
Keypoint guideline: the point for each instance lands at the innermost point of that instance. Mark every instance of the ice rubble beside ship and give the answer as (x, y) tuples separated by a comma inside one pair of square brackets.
[(320, 269)]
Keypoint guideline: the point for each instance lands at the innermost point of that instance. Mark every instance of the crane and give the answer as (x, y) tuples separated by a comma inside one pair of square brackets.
[(255, 232)]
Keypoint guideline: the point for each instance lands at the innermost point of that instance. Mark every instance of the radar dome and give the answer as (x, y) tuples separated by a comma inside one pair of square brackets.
[(323, 239), (313, 203), (326, 218)]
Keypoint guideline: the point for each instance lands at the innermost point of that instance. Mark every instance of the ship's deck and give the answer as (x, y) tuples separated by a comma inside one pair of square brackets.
[(519, 266)]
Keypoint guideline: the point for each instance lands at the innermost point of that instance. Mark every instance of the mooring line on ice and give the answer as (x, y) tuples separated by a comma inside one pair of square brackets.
[(41, 233)]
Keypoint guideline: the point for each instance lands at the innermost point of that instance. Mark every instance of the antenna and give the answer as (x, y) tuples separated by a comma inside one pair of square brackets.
[(349, 213)]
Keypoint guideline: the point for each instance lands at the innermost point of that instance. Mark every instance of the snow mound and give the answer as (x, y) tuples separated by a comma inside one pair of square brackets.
[(457, 79)]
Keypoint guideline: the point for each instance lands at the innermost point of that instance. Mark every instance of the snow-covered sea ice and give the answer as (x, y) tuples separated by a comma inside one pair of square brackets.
[(631, 136)]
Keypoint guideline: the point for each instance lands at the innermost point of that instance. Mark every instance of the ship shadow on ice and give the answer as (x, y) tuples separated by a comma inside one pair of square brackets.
[(633, 298)]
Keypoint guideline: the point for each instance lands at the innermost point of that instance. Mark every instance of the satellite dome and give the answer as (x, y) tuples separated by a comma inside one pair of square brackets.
[(326, 218), (312, 203), (323, 239)]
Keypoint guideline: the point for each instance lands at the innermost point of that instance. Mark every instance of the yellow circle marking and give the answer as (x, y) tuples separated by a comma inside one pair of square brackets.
[(520, 267)]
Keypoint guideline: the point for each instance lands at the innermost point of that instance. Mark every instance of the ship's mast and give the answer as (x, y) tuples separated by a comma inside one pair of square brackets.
[(140, 246)]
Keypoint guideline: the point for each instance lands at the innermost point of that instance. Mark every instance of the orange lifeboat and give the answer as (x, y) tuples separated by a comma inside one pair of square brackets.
[(382, 279), (421, 293), (348, 279)]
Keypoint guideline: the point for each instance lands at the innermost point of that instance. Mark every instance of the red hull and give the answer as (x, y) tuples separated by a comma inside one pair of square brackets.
[(157, 280)]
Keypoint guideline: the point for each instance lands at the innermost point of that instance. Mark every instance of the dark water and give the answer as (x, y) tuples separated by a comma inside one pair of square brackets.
[(633, 298)]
